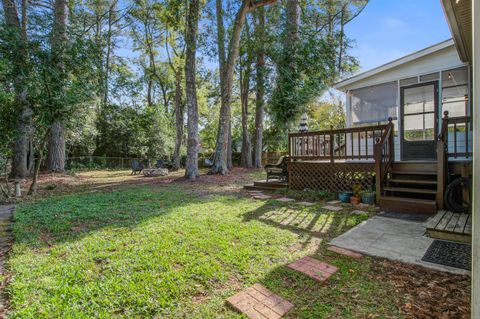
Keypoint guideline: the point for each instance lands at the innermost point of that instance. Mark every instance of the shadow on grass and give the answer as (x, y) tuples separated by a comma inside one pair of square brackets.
[(308, 222)]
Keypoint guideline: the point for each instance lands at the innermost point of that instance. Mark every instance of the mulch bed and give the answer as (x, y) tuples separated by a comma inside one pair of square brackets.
[(426, 293)]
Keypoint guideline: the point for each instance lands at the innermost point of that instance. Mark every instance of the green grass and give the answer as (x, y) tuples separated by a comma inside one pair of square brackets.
[(168, 252)]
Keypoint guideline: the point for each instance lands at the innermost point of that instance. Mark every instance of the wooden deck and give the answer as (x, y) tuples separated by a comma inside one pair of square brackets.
[(451, 226)]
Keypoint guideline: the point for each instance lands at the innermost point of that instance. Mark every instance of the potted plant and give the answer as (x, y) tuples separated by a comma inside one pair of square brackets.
[(355, 200), (344, 196), (368, 197), (356, 188)]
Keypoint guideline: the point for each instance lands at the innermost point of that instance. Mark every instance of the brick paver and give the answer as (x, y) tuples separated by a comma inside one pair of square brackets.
[(307, 204), (346, 252), (334, 208), (334, 202), (261, 196), (313, 268), (358, 212), (285, 199), (257, 302)]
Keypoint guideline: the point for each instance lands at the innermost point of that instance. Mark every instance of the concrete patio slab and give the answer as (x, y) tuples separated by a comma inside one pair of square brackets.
[(391, 238), (334, 208)]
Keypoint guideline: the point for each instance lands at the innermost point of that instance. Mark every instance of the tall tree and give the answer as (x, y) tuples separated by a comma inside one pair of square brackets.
[(227, 62), (191, 169), (245, 70), (56, 142), (22, 162), (260, 88)]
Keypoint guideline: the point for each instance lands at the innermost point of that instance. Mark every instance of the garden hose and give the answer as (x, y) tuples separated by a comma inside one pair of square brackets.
[(454, 199)]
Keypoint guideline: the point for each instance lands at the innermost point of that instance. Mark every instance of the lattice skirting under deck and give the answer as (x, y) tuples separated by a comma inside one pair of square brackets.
[(331, 177)]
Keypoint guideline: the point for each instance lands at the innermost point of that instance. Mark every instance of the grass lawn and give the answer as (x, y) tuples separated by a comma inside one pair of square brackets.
[(178, 250)]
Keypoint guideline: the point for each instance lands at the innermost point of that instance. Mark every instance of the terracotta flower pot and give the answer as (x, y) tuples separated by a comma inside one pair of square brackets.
[(354, 200)]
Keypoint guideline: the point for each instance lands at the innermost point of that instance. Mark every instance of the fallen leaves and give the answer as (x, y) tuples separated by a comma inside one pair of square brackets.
[(427, 294)]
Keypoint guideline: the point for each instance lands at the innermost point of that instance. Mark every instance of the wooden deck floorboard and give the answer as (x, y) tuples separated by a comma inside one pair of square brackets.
[(450, 226)]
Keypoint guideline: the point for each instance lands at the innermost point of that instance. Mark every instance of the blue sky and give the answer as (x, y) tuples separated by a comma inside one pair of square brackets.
[(389, 29)]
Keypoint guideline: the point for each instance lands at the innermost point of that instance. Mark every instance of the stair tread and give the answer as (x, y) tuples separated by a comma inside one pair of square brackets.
[(413, 181), (410, 190), (413, 172), (411, 200)]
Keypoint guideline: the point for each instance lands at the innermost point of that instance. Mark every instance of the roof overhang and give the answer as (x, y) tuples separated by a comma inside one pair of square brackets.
[(393, 64), (459, 17)]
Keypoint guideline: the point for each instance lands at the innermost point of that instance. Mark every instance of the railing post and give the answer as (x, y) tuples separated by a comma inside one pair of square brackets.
[(391, 146), (377, 156), (331, 144), (442, 143)]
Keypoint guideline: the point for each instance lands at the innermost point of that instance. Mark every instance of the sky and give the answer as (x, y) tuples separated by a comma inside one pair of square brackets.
[(390, 29)]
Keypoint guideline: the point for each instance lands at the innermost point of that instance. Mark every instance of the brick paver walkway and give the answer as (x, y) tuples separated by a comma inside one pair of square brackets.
[(333, 208), (257, 302), (285, 199), (313, 268), (345, 252)]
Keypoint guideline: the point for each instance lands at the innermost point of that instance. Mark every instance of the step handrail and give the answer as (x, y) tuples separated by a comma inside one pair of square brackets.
[(384, 156)]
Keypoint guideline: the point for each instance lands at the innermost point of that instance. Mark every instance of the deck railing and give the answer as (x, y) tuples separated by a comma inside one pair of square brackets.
[(384, 157), (336, 144), (454, 141)]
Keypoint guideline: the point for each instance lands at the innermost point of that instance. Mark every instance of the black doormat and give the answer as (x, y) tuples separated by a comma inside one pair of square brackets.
[(405, 216), (448, 253)]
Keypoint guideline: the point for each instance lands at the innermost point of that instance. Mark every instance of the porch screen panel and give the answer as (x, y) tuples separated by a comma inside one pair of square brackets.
[(374, 104)]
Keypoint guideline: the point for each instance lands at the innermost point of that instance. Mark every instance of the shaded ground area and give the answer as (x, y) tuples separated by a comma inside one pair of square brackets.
[(129, 247)]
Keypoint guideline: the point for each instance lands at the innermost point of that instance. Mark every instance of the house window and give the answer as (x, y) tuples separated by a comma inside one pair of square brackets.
[(430, 77), (455, 92), (374, 104), (409, 81)]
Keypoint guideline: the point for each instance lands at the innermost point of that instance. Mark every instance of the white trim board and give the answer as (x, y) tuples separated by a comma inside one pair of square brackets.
[(354, 81)]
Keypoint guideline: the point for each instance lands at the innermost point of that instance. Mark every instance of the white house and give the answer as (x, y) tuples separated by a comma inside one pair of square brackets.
[(415, 91)]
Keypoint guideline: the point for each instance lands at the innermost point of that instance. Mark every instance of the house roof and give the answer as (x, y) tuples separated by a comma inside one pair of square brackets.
[(393, 64), (459, 17)]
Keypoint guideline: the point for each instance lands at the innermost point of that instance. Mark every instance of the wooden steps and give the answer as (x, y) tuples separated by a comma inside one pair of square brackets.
[(407, 205), (413, 181), (451, 226), (411, 190), (266, 186), (410, 187), (414, 173)]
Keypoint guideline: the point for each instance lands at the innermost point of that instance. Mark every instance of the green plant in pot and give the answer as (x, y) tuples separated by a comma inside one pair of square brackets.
[(368, 197), (356, 188)]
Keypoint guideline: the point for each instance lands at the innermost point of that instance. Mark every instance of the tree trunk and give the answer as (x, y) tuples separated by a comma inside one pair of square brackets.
[(56, 144), (179, 110), (22, 160), (229, 148), (292, 37), (246, 160), (220, 159), (260, 90), (56, 148), (191, 169)]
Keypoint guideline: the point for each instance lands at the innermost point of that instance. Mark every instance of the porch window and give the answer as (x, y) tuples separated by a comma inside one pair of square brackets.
[(455, 92), (374, 104)]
